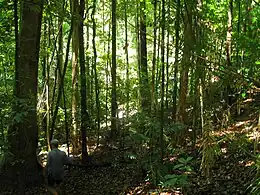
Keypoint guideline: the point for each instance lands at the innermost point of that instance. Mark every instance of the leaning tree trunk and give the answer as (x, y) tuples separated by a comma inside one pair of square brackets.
[(23, 136)]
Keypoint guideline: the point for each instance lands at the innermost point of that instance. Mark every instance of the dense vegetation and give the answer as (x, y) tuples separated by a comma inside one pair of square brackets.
[(167, 89)]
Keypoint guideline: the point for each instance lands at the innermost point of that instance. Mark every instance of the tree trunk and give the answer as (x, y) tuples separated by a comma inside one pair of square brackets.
[(95, 69), (186, 61), (167, 56), (75, 53), (144, 86), (108, 64), (163, 79), (229, 49), (45, 75), (176, 58), (113, 93), (154, 52), (23, 136), (84, 113), (127, 63)]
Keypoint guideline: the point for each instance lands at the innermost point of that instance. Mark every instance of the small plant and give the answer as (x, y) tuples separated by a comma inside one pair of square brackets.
[(178, 180), (175, 180), (183, 164)]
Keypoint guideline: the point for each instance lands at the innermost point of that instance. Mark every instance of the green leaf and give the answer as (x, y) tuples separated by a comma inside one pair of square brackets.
[(169, 176), (182, 160), (178, 166), (140, 137), (189, 159), (171, 182)]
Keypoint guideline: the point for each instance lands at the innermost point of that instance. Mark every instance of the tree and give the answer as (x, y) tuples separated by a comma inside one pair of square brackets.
[(176, 58), (163, 80), (75, 68), (84, 113), (23, 136), (113, 73), (144, 87), (186, 60)]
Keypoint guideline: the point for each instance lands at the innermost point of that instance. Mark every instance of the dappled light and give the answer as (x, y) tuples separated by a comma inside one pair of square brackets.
[(129, 97)]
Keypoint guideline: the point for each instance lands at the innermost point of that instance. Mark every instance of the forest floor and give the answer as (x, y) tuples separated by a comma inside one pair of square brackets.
[(230, 174)]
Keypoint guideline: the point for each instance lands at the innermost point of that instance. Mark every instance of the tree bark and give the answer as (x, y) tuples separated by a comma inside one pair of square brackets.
[(186, 61), (176, 58), (113, 93), (229, 49), (75, 54), (95, 68), (84, 113), (163, 79), (144, 86), (154, 52), (23, 136)]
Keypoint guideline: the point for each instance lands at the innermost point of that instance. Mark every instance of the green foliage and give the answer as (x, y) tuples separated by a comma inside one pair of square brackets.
[(149, 157), (255, 186), (175, 181), (183, 165)]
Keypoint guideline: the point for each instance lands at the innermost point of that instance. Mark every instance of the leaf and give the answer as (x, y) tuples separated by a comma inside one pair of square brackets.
[(178, 166), (140, 137), (182, 160), (171, 182), (188, 168), (169, 176)]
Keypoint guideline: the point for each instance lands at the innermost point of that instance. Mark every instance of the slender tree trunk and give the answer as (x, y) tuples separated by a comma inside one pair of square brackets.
[(75, 53), (108, 64), (237, 55), (84, 113), (176, 58), (186, 60), (60, 50), (127, 63), (158, 70), (163, 79), (45, 75), (95, 69), (144, 86), (228, 48), (167, 56), (154, 52), (60, 89), (138, 51), (87, 60), (113, 93)]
